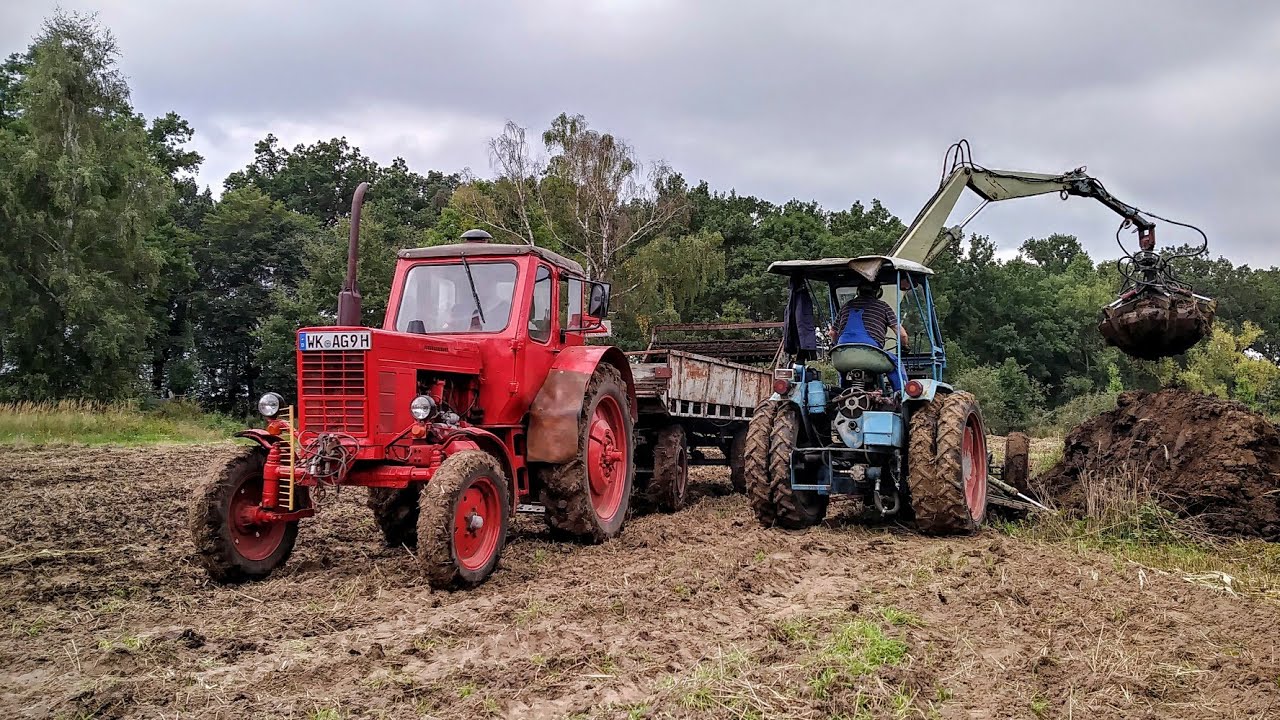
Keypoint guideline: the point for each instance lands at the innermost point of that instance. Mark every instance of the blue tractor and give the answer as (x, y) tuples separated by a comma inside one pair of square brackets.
[(852, 418)]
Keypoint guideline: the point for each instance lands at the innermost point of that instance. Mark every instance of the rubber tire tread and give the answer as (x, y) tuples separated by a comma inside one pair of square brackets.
[(396, 512), (755, 463), (797, 509), (1017, 462), (666, 490), (938, 496), (436, 510), (566, 489), (737, 461), (208, 522)]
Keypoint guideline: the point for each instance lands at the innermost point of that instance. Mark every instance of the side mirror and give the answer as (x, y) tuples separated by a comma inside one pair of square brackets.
[(598, 303)]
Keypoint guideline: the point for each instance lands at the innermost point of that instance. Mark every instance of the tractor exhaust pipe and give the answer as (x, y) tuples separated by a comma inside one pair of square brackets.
[(349, 298)]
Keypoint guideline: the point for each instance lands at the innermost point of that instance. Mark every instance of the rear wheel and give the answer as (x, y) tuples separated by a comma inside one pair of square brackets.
[(588, 496), (949, 494), (462, 520), (396, 512), (796, 508), (736, 455), (669, 487), (755, 463), (232, 543)]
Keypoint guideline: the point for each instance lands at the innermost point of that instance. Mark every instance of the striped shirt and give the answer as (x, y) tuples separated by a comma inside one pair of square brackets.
[(877, 317)]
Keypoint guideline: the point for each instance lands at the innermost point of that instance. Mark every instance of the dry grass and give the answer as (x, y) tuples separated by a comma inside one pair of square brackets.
[(1125, 517), (94, 423)]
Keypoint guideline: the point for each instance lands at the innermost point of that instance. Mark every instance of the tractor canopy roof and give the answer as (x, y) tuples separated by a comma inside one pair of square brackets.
[(484, 249), (875, 268)]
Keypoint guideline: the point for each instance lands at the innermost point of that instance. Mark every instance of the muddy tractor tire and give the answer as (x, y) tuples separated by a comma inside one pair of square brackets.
[(229, 545), (463, 516), (668, 489), (796, 509), (588, 497), (1016, 470), (396, 512), (755, 463), (947, 465), (736, 455)]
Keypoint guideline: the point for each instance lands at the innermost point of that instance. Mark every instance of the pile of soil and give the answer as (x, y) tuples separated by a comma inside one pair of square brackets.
[(1204, 457)]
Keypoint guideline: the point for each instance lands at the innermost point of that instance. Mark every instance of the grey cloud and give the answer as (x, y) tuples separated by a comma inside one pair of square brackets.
[(1173, 104)]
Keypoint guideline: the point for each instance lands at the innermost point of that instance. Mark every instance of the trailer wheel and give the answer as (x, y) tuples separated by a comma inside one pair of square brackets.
[(588, 497), (669, 487), (755, 463), (462, 520), (230, 544), (797, 509), (396, 512), (949, 495), (737, 460)]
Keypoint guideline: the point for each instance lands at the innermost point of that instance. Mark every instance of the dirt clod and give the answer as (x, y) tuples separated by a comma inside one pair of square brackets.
[(1204, 457)]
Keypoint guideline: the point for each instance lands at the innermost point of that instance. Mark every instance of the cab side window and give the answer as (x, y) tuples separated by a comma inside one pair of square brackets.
[(540, 310)]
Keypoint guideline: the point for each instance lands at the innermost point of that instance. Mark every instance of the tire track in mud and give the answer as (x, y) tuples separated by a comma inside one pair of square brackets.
[(108, 615)]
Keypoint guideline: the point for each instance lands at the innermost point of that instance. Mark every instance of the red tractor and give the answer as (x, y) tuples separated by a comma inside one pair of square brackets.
[(478, 397)]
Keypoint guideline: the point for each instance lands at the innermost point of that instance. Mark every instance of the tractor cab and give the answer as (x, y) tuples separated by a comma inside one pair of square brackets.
[(871, 370)]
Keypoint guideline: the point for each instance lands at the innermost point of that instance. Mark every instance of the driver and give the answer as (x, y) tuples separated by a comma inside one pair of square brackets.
[(865, 319)]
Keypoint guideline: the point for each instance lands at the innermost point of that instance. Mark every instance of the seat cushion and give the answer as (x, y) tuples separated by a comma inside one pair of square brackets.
[(856, 356)]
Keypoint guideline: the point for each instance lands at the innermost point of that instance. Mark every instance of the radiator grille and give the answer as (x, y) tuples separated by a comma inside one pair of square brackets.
[(333, 391)]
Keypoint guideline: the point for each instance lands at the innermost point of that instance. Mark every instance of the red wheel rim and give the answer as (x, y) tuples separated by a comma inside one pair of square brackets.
[(607, 455), (477, 523), (253, 539), (973, 464)]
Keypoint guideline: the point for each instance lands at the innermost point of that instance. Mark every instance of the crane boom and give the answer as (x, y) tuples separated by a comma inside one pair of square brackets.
[(926, 238), (1156, 315)]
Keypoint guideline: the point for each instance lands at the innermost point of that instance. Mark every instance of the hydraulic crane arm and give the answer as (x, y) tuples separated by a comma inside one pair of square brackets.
[(1156, 315), (925, 238)]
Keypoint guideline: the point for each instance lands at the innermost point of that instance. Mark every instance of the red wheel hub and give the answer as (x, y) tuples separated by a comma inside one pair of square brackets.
[(477, 523), (607, 455), (253, 538), (973, 464)]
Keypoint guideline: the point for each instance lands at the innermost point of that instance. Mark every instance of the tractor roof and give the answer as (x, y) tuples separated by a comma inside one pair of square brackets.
[(858, 269), (484, 249)]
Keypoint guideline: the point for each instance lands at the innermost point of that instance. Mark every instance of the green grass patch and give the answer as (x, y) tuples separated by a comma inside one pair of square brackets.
[(91, 423), (856, 647)]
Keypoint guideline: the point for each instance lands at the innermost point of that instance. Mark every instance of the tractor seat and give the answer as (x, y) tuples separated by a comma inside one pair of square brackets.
[(859, 356)]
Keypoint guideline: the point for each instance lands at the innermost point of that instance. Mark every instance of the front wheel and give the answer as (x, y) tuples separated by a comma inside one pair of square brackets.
[(232, 543), (396, 512), (462, 520)]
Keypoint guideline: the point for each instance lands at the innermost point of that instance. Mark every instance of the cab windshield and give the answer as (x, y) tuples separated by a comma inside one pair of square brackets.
[(438, 298)]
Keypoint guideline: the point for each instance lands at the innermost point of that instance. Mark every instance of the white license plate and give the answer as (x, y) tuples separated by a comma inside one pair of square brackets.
[(360, 340)]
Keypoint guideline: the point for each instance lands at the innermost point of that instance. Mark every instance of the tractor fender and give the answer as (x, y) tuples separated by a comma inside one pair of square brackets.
[(557, 408), (932, 388), (474, 438), (260, 436)]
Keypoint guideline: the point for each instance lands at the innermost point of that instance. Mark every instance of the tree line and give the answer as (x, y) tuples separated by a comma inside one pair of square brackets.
[(121, 278)]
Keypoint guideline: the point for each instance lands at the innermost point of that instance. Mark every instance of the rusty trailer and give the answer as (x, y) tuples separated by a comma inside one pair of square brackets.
[(696, 392)]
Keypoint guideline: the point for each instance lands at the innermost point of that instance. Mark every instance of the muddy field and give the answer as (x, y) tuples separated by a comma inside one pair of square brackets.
[(698, 614)]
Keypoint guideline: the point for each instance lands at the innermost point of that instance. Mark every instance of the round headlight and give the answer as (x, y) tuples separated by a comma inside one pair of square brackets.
[(269, 405), (422, 407)]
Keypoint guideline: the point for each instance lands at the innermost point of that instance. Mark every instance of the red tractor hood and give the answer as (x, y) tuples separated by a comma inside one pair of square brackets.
[(443, 353)]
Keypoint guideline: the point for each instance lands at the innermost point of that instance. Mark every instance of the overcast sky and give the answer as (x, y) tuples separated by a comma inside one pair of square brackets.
[(1174, 105)]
